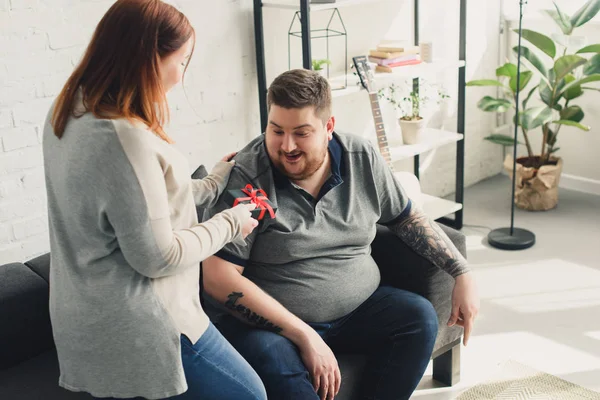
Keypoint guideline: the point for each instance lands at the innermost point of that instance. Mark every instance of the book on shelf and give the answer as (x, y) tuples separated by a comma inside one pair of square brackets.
[(385, 54), (388, 61), (398, 47), (391, 67)]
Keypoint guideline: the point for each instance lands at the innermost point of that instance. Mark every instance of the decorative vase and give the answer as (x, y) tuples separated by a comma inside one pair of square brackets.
[(535, 189), (411, 130)]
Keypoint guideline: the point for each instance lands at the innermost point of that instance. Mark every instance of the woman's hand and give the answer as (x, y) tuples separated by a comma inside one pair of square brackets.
[(248, 223), (229, 156)]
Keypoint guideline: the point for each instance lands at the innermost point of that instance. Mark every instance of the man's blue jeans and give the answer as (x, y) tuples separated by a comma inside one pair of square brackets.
[(395, 328), (214, 370)]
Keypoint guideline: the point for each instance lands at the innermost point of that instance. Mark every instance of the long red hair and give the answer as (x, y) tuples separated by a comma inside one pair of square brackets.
[(119, 73)]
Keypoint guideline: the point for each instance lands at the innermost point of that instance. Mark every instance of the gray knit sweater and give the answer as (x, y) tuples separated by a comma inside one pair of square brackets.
[(125, 250)]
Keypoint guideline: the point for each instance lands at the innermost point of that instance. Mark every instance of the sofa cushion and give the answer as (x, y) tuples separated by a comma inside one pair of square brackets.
[(36, 379), (25, 328), (401, 267), (41, 266)]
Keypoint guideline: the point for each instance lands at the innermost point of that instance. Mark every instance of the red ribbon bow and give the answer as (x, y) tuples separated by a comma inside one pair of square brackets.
[(258, 197)]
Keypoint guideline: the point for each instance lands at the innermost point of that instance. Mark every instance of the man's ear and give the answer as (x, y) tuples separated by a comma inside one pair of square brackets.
[(330, 125)]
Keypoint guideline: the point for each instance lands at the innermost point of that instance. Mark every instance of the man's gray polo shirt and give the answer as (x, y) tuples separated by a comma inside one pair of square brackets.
[(314, 257)]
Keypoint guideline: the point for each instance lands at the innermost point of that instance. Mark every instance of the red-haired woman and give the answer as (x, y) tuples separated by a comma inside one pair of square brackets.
[(125, 239)]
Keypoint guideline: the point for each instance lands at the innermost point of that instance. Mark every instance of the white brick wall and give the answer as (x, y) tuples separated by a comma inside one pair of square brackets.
[(42, 40)]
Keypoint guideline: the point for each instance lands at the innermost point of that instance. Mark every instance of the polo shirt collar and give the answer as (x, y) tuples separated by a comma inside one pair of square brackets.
[(338, 167)]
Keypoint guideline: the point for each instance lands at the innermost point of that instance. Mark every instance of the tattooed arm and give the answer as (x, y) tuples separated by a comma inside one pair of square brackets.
[(426, 238), (246, 301)]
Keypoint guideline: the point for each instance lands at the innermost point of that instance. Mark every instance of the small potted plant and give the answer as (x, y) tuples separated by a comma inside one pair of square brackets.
[(319, 66), (411, 122), (410, 107)]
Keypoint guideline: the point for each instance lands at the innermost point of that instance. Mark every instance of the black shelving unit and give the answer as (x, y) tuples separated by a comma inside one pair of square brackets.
[(304, 5)]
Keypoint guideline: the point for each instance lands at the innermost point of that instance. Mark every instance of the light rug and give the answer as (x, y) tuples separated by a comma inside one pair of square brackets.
[(515, 381)]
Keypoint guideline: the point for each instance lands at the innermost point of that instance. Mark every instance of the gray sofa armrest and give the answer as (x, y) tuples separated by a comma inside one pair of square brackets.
[(401, 267)]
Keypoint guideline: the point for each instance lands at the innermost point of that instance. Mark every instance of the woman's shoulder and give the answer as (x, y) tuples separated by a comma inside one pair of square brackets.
[(134, 130)]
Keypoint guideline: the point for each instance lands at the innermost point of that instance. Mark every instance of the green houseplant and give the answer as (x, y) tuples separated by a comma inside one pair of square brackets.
[(556, 79), (319, 65), (410, 107)]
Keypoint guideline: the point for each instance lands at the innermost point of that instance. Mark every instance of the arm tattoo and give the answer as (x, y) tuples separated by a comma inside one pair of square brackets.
[(428, 240), (248, 314)]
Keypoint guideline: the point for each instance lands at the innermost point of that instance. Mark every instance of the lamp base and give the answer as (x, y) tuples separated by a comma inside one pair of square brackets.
[(519, 240)]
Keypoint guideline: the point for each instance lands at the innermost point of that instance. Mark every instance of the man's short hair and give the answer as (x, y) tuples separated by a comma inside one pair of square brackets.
[(299, 88)]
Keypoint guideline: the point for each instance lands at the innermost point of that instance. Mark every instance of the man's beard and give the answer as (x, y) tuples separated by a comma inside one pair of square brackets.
[(311, 165)]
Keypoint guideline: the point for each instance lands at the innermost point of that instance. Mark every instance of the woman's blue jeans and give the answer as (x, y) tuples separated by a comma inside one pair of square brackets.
[(214, 370)]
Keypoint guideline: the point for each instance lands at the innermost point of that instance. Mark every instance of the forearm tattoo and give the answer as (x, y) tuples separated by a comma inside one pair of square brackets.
[(420, 233), (248, 314)]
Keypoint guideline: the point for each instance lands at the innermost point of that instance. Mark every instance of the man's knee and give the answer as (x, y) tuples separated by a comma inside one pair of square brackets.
[(279, 356), (278, 363), (422, 321), (267, 352), (425, 319)]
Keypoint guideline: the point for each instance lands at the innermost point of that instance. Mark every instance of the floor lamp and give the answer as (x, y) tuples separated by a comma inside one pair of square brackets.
[(512, 238)]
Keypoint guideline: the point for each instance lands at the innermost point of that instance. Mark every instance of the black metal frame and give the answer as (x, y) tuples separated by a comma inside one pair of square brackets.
[(328, 33), (457, 221)]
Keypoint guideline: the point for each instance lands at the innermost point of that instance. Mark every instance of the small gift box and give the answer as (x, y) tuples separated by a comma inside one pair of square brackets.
[(249, 195)]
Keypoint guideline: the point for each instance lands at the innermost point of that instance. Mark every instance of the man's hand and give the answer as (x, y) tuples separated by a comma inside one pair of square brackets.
[(321, 364), (465, 304)]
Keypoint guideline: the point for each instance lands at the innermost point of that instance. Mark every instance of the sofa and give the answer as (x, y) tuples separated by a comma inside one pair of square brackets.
[(29, 366)]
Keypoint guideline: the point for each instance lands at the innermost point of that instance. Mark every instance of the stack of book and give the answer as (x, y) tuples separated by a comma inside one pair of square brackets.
[(389, 56)]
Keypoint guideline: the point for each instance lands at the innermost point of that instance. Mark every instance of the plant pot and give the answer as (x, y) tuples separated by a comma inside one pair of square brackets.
[(535, 189), (322, 72), (411, 130)]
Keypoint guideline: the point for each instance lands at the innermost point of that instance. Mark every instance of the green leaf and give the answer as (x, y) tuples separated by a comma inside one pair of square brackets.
[(529, 96), (592, 48), (572, 113), (508, 69), (491, 104), (561, 19), (559, 84), (533, 60), (542, 42), (572, 123), (587, 79), (504, 140), (573, 92), (585, 13), (525, 78), (554, 150), (592, 66), (484, 82), (546, 94), (537, 116), (565, 64)]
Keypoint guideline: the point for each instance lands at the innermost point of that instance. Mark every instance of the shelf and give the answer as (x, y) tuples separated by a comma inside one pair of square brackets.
[(430, 139), (386, 78), (347, 84), (538, 16), (436, 207), (295, 5)]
